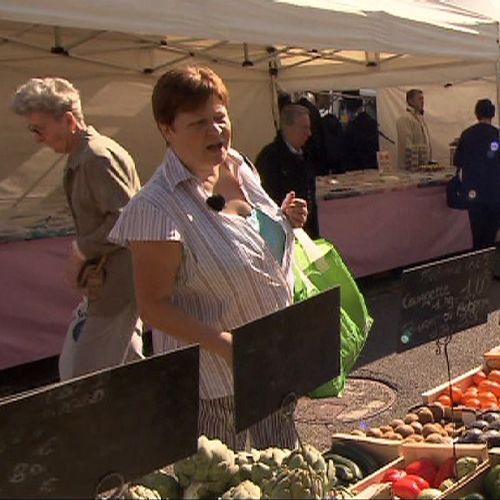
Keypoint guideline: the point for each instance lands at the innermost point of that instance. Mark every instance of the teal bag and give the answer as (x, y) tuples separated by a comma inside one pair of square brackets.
[(317, 268)]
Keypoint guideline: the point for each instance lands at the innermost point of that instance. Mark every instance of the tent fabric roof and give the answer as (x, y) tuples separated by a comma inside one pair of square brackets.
[(394, 26)]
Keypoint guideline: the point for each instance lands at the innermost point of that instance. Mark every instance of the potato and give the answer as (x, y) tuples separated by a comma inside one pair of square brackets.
[(434, 438), (425, 416), (397, 421), (410, 417), (374, 432), (386, 428), (405, 430), (417, 427), (358, 432), (428, 429), (437, 410)]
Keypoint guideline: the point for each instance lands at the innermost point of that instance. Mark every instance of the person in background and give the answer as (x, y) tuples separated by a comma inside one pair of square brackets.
[(99, 180), (211, 250), (314, 147), (284, 165), (360, 138), (332, 133), (477, 158), (412, 131)]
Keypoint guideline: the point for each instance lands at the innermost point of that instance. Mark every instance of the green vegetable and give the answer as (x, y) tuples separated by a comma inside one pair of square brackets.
[(246, 489), (353, 452), (429, 493), (139, 492), (492, 483), (166, 485), (474, 496), (295, 483), (466, 465), (213, 466), (447, 484)]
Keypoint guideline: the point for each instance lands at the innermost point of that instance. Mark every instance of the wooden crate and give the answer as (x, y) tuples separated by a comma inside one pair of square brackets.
[(492, 358), (463, 381), (474, 483), (382, 450), (414, 451)]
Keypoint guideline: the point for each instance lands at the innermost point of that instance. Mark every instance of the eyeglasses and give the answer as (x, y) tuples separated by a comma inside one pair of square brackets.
[(35, 130)]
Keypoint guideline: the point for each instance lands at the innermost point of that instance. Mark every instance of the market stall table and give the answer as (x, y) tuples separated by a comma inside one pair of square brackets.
[(385, 221)]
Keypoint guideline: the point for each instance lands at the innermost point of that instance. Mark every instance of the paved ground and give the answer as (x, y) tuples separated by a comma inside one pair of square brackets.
[(403, 376)]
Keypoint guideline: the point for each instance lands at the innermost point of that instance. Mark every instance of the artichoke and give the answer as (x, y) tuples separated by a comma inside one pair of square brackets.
[(246, 489), (213, 466), (295, 483), (166, 485), (139, 492)]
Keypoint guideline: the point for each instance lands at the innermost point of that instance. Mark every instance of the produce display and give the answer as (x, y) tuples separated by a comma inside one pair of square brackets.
[(215, 471), (424, 478), (426, 424), (490, 487), (482, 392), (347, 469)]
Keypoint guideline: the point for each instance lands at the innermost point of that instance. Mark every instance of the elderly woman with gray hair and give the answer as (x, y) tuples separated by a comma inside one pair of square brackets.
[(99, 180)]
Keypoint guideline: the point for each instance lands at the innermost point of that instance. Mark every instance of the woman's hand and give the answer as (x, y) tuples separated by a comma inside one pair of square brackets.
[(295, 209)]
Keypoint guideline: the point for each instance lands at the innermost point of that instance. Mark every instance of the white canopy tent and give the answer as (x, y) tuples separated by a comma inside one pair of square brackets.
[(114, 51)]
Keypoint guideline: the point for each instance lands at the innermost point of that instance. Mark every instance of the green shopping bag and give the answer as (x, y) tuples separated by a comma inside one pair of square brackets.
[(317, 268)]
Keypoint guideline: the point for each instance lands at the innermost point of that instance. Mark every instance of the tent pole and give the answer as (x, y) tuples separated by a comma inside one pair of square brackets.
[(273, 74)]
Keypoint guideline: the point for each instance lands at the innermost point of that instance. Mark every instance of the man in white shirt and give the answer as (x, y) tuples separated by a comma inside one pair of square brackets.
[(412, 130)]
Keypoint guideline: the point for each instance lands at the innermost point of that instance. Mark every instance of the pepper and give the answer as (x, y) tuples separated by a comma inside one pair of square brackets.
[(492, 482), (446, 471), (424, 468), (406, 489), (421, 482), (392, 475)]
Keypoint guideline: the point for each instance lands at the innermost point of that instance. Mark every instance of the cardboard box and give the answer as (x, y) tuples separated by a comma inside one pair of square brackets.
[(414, 451)]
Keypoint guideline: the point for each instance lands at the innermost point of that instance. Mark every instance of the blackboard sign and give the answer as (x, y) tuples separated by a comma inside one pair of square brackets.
[(120, 423), (444, 297), (292, 351), (31, 375)]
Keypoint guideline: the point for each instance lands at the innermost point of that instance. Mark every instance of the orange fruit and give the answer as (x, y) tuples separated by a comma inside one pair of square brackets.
[(472, 390), (494, 376), (444, 399), (486, 396), (472, 403), (456, 393), (479, 377), (488, 405), (490, 386)]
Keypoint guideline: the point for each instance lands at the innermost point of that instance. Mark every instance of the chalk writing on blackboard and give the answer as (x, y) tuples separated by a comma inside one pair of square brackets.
[(445, 297)]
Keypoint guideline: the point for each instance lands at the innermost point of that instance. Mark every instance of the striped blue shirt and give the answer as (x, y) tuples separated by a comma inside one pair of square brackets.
[(228, 276)]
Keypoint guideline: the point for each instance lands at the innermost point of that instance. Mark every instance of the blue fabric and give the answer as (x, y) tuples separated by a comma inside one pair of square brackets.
[(271, 231)]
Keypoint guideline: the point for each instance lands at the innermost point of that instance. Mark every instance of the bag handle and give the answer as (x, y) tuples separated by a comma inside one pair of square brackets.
[(312, 250)]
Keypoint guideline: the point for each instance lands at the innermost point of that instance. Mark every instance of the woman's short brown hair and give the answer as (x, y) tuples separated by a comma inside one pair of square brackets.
[(185, 89)]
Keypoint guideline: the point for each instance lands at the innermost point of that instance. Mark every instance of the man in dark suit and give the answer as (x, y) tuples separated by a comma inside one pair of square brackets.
[(284, 166), (477, 157)]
